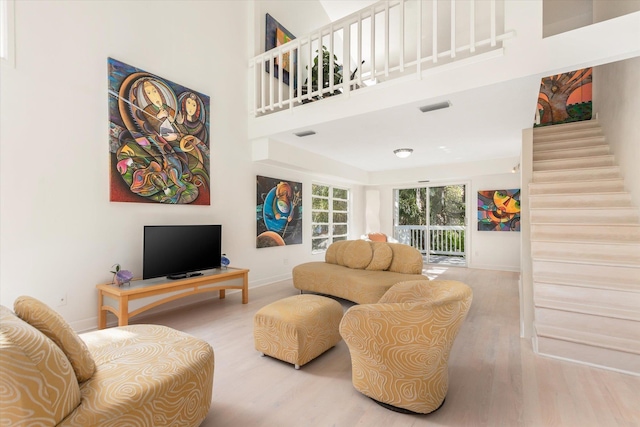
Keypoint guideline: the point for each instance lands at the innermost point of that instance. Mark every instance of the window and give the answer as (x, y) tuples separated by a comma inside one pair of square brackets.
[(329, 216), (7, 31)]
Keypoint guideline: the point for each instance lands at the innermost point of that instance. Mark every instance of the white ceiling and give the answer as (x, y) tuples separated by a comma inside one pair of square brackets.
[(481, 124), (337, 9)]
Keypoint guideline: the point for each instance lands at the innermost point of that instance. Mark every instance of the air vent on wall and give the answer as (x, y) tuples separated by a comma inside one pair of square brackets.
[(305, 133), (433, 107)]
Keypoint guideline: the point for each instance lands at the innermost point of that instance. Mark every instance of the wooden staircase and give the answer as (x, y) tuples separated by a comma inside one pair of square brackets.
[(585, 250)]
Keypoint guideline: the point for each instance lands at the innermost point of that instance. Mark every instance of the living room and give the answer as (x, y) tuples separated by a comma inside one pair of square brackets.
[(57, 243)]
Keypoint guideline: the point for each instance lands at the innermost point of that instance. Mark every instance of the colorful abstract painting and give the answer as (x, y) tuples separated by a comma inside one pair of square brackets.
[(278, 212), (158, 139), (499, 210), (276, 35), (565, 98)]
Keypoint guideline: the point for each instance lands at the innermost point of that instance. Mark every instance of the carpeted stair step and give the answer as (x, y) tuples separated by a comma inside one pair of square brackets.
[(591, 233), (594, 252), (564, 134), (586, 300), (567, 127), (580, 200), (586, 215), (613, 333), (589, 141), (570, 187), (623, 278), (594, 347), (582, 174), (571, 153), (582, 162)]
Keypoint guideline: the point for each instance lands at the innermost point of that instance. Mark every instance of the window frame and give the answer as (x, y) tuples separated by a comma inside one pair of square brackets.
[(330, 225)]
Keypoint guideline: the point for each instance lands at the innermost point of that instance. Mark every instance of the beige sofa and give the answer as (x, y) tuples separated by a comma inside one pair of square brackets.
[(143, 375), (360, 271)]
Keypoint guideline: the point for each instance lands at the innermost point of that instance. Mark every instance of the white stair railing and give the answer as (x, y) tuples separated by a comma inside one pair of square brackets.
[(387, 40)]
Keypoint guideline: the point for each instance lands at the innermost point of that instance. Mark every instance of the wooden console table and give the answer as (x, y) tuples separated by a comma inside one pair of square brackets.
[(115, 299)]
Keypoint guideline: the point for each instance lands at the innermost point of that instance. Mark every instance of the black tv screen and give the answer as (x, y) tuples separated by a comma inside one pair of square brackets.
[(179, 251)]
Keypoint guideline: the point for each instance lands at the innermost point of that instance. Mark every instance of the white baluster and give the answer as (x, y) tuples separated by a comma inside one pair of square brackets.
[(434, 54), (453, 28), (472, 26), (386, 40)]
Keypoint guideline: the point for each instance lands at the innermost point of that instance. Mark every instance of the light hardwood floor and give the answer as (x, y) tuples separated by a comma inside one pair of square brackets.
[(495, 378)]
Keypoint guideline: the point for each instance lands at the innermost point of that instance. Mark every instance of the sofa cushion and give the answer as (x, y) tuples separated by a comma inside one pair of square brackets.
[(331, 255), (50, 323), (406, 259), (342, 248), (37, 381), (357, 254), (377, 237), (381, 258)]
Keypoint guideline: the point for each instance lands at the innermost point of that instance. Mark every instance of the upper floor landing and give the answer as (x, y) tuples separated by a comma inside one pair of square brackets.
[(397, 52)]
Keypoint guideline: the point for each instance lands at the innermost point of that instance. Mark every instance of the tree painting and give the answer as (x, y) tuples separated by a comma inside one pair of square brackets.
[(565, 97)]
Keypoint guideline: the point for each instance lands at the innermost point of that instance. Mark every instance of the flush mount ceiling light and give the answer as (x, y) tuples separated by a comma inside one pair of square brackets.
[(305, 133), (403, 152), (433, 107)]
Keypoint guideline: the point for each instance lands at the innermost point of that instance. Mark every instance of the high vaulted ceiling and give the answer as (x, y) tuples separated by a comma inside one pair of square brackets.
[(483, 123)]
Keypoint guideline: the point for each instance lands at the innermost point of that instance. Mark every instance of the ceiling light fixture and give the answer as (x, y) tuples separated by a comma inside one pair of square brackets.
[(516, 168), (433, 107), (305, 133), (403, 152)]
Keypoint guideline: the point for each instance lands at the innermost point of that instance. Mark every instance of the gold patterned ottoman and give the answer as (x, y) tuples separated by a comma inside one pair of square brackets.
[(297, 329)]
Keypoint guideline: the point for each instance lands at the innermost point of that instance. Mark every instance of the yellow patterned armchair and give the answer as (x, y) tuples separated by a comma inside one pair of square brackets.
[(400, 346)]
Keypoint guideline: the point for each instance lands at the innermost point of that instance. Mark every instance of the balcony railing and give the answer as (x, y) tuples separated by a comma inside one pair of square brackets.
[(433, 240), (385, 41)]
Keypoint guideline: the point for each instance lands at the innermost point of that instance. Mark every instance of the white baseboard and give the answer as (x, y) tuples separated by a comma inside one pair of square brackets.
[(515, 268)]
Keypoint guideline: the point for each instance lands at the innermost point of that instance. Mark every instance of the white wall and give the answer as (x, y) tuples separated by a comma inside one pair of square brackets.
[(608, 9), (59, 232), (486, 250), (616, 100), (494, 250), (565, 15)]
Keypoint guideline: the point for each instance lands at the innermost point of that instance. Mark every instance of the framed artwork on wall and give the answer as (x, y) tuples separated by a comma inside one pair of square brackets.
[(565, 98), (278, 212), (499, 210), (158, 139), (277, 35)]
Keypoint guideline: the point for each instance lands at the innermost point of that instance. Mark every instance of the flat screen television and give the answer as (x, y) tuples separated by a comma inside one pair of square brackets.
[(179, 251)]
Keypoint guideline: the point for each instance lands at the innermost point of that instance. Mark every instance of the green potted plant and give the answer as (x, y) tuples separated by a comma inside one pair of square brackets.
[(337, 74)]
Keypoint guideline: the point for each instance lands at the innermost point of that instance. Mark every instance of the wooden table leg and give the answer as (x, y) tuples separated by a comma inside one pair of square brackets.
[(222, 293), (123, 310), (102, 314), (245, 288)]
